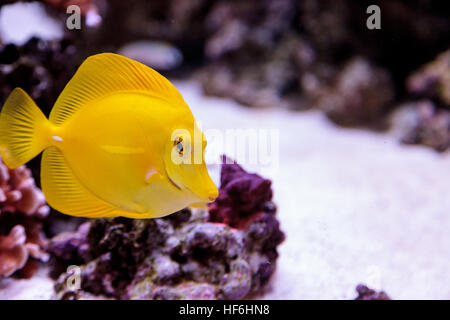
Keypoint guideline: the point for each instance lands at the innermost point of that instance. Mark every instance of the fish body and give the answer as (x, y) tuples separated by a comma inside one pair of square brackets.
[(111, 143)]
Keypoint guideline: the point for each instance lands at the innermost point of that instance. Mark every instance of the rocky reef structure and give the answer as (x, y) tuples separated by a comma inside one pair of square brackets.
[(427, 125), (22, 212), (430, 87), (42, 69), (433, 80), (229, 252), (299, 55), (360, 93), (319, 54), (365, 293)]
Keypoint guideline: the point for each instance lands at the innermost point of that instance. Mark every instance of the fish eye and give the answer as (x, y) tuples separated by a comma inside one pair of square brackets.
[(178, 143)]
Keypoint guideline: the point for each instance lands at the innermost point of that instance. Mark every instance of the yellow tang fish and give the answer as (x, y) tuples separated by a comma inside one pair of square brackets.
[(120, 141)]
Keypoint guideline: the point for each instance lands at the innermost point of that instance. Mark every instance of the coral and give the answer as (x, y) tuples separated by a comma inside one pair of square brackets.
[(242, 196), (429, 126), (433, 80), (252, 57), (287, 53), (365, 293), (187, 255), (22, 210), (42, 69), (13, 252), (360, 94)]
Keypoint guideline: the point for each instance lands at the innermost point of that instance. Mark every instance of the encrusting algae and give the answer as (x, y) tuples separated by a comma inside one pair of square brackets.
[(120, 141)]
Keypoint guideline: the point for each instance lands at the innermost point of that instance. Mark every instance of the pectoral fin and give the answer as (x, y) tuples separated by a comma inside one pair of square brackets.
[(153, 176)]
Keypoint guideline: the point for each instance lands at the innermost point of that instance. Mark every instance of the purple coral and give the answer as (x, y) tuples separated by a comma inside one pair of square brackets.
[(243, 196), (365, 293)]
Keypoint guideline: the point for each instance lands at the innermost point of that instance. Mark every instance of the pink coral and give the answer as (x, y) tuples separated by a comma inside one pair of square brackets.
[(13, 253), (22, 209)]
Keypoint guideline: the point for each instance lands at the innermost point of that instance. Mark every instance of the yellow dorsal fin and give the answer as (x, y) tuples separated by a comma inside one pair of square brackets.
[(66, 194), (108, 73)]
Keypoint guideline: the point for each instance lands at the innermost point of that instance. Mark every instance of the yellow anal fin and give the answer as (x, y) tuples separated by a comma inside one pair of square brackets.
[(66, 194)]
